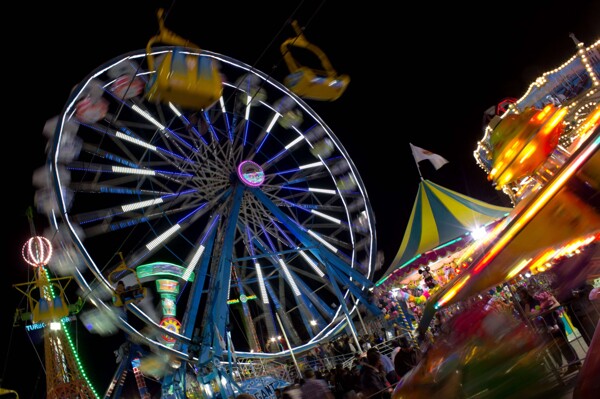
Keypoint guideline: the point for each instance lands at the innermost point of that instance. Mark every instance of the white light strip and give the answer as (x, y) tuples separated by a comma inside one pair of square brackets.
[(322, 241), (310, 165), (289, 277), (324, 216), (133, 140), (228, 290), (175, 109), (149, 117), (133, 171), (154, 243), (312, 264), (294, 142), (222, 102), (261, 283), (193, 263), (322, 190), (273, 120), (142, 204), (247, 116)]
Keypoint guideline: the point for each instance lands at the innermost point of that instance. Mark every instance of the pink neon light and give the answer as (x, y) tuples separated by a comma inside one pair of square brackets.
[(253, 179)]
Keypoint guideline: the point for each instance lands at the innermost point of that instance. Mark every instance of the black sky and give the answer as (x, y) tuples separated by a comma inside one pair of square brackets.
[(420, 73)]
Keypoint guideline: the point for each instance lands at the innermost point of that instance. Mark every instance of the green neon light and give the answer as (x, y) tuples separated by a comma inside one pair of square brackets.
[(63, 325), (162, 269), (242, 298)]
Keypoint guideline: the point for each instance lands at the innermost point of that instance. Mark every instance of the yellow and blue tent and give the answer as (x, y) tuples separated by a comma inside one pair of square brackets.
[(440, 223)]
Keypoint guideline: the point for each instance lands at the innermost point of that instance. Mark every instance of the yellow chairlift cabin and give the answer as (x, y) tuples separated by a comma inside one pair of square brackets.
[(310, 83), (181, 78), (126, 294)]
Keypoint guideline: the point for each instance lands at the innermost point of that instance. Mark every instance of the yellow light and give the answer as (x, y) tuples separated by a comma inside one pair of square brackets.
[(554, 121), (452, 292), (543, 113), (529, 150), (517, 269)]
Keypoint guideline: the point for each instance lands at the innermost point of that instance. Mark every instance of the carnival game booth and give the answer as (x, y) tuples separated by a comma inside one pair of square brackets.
[(442, 225)]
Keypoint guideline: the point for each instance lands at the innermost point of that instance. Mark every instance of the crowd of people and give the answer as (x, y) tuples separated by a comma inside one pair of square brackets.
[(508, 311), (371, 374)]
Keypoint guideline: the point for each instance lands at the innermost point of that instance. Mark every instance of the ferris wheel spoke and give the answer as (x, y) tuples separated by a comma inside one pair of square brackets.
[(163, 200), (225, 117), (266, 131), (283, 271), (187, 123), (168, 134), (285, 317), (302, 253), (264, 302), (123, 137), (307, 302), (106, 223), (303, 294), (126, 172), (288, 149), (325, 252)]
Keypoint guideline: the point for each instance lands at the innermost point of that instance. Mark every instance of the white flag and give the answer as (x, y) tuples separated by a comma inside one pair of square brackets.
[(421, 155)]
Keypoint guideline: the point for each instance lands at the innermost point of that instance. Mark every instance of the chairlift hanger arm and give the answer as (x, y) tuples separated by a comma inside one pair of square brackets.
[(165, 36), (300, 41)]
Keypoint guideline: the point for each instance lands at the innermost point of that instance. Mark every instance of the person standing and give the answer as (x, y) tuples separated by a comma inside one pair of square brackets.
[(543, 307), (405, 359), (314, 388), (373, 384), (584, 313), (396, 346), (388, 369)]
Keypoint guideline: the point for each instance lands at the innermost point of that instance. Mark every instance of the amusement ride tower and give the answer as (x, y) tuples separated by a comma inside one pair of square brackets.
[(48, 310)]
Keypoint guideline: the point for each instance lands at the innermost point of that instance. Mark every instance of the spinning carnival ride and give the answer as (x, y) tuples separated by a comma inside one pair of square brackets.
[(239, 192)]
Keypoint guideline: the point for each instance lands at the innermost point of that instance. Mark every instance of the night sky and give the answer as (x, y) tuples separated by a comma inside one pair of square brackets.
[(427, 85)]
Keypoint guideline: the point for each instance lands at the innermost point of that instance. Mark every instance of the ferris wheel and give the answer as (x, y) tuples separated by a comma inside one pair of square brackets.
[(249, 208)]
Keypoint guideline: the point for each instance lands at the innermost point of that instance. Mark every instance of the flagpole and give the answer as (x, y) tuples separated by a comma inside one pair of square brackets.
[(416, 162)]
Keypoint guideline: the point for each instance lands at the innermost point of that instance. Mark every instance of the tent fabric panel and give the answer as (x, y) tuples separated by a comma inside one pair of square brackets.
[(484, 208), (450, 221), (408, 239), (429, 232), (454, 217)]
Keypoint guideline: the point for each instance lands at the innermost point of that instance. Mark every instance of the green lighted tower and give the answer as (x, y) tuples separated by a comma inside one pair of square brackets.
[(47, 308)]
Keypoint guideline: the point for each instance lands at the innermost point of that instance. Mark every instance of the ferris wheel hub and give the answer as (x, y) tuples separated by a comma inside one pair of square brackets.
[(251, 173)]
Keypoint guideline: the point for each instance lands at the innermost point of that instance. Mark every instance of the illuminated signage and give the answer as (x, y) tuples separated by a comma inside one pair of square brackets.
[(39, 326), (242, 299)]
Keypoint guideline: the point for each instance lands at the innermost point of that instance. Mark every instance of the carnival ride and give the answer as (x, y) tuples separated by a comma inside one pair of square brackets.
[(542, 150), (48, 311), (240, 192)]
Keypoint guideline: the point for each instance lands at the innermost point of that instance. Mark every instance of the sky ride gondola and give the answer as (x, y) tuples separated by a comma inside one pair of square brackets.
[(181, 77), (311, 83)]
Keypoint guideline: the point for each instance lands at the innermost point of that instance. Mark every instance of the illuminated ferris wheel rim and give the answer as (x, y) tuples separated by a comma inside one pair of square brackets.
[(97, 274)]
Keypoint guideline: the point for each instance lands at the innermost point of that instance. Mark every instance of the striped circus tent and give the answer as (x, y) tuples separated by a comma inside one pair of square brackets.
[(440, 223)]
